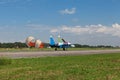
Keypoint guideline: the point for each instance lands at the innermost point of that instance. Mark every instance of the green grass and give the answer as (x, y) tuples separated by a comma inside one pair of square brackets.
[(5, 61), (83, 67)]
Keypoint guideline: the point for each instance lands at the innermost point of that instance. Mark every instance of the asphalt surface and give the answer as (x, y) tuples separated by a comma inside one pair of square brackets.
[(54, 53)]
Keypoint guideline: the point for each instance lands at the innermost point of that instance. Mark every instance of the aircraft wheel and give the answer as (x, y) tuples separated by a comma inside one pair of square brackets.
[(55, 49), (63, 49)]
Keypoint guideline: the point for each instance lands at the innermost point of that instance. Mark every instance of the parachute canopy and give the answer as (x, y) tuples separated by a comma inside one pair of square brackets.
[(31, 42), (39, 44)]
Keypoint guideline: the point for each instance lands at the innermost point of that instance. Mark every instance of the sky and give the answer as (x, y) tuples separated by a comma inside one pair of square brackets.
[(89, 22)]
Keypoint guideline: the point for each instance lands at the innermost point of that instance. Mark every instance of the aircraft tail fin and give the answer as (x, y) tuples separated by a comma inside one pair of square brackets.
[(63, 40), (59, 39), (52, 42)]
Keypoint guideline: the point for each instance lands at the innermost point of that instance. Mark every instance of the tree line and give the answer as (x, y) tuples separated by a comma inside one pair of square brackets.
[(98, 46), (13, 45), (23, 45)]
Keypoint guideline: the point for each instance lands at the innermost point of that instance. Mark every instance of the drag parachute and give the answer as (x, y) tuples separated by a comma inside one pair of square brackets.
[(30, 41), (39, 44)]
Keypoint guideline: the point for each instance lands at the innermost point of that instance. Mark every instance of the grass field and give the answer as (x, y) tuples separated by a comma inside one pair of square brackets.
[(83, 67)]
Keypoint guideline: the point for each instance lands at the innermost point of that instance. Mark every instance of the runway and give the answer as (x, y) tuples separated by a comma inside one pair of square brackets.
[(55, 53)]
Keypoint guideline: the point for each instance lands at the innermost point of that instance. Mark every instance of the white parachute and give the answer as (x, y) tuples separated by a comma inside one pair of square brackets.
[(31, 42), (39, 44)]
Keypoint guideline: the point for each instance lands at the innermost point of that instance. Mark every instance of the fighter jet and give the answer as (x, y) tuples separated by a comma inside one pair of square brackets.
[(61, 43)]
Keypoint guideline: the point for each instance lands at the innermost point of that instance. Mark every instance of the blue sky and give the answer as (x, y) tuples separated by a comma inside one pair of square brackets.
[(92, 22)]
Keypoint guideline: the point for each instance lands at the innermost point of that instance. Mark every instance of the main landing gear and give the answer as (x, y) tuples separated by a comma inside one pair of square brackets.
[(64, 49), (55, 49)]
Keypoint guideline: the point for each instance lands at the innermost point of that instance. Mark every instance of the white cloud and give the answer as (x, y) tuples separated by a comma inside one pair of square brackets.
[(114, 30), (91, 34), (37, 27), (54, 30), (68, 11)]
